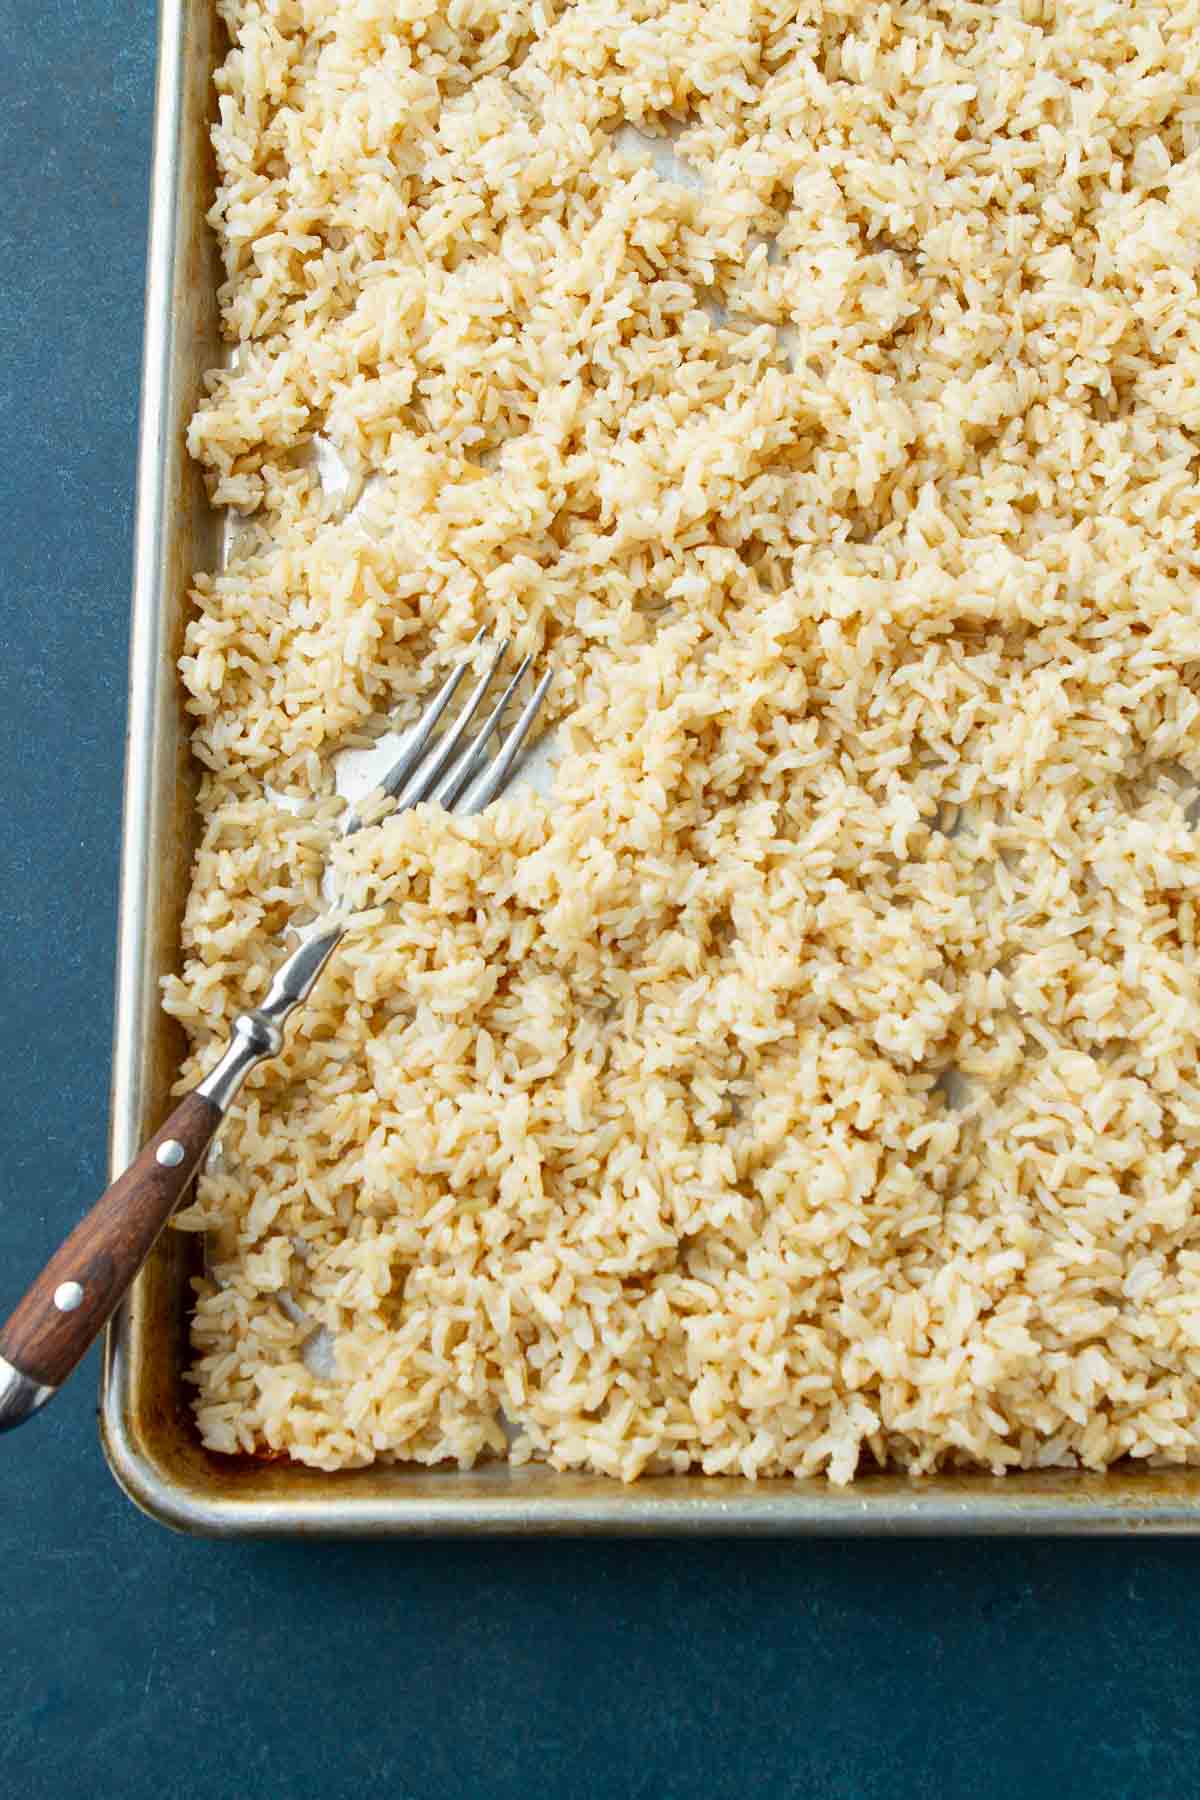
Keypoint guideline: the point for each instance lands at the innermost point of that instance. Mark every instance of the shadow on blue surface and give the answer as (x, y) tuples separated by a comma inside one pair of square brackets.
[(136, 1663)]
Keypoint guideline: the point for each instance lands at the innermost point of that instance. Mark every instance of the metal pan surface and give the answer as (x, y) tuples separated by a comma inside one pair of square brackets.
[(145, 1423)]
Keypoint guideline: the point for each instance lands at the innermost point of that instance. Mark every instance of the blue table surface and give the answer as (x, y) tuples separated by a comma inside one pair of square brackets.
[(134, 1662)]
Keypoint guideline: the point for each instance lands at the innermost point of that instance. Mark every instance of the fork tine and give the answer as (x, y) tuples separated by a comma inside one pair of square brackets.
[(483, 791), (416, 738), (475, 755), (427, 772)]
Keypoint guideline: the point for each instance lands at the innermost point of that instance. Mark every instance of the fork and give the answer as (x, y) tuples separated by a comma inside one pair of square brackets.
[(84, 1282)]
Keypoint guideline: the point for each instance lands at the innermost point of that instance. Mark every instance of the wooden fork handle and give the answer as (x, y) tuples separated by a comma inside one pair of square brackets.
[(82, 1284)]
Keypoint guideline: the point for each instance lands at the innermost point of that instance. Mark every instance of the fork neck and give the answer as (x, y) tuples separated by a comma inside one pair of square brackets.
[(255, 1039)]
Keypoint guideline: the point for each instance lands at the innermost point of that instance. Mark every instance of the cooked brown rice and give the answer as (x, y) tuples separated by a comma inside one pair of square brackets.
[(811, 1083)]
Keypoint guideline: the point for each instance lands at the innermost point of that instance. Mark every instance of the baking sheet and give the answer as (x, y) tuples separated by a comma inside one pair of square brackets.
[(150, 1441)]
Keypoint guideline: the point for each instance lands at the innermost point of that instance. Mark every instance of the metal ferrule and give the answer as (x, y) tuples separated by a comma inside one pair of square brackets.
[(258, 1035), (20, 1396), (254, 1040)]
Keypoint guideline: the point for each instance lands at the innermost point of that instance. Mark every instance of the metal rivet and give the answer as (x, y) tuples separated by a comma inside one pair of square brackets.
[(67, 1296), (170, 1153)]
